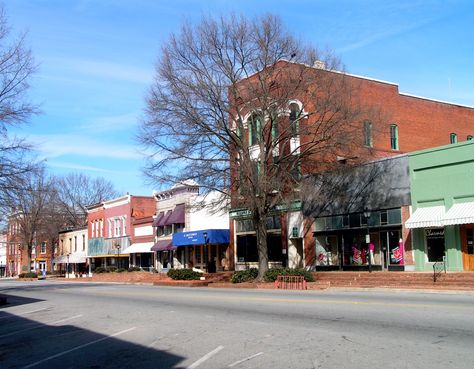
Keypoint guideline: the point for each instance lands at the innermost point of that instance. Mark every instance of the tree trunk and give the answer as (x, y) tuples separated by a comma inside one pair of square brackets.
[(262, 247)]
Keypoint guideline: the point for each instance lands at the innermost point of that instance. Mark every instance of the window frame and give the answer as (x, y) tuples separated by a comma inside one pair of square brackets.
[(453, 138), (394, 137)]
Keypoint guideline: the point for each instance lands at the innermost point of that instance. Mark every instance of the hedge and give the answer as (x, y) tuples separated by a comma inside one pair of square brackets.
[(244, 275), (28, 275), (183, 274)]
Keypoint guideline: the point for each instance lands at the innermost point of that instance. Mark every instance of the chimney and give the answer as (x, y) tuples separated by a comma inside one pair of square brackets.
[(319, 64)]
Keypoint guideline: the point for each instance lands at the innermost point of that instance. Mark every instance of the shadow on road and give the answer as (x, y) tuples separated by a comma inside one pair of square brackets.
[(26, 343), (12, 300)]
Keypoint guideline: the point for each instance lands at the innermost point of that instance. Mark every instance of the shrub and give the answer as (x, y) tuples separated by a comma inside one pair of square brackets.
[(244, 275), (121, 270), (272, 274), (101, 270), (111, 269), (28, 275), (134, 269), (183, 274)]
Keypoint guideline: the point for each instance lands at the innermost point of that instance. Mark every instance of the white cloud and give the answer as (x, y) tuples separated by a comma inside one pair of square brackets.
[(57, 145), (112, 123), (100, 69), (67, 165)]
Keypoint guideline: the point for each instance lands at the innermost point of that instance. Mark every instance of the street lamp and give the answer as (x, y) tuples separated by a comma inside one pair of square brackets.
[(367, 237), (117, 246), (67, 265)]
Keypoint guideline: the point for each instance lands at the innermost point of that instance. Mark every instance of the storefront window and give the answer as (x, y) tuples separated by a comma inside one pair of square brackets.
[(435, 244), (326, 251), (392, 252)]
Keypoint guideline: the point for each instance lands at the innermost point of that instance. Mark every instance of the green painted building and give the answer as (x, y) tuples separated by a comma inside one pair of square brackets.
[(442, 218)]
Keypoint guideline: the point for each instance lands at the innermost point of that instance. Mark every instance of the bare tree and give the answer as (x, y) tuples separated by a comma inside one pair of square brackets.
[(27, 204), (75, 191), (237, 105), (16, 68)]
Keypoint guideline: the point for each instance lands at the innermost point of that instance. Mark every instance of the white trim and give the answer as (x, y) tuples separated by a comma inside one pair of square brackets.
[(436, 100)]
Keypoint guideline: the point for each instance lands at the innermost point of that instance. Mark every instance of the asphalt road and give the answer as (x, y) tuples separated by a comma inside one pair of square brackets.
[(84, 325)]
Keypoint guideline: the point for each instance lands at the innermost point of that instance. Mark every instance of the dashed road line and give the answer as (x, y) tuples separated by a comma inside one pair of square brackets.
[(39, 325), (244, 360), (205, 357), (77, 348), (21, 314)]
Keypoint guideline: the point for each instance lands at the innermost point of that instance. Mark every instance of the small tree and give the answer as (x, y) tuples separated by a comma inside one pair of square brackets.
[(234, 104)]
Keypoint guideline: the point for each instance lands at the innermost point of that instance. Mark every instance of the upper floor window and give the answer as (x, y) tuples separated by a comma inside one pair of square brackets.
[(116, 227), (83, 242), (469, 137), (75, 243), (254, 127), (368, 141), (453, 138), (43, 248), (295, 113), (394, 137)]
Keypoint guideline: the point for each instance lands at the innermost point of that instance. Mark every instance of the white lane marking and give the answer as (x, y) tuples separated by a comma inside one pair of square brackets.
[(205, 357), (24, 313), (38, 325), (78, 348), (246, 359)]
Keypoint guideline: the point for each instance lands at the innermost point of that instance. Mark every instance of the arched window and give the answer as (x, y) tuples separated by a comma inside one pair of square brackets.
[(254, 127), (394, 137), (469, 137), (368, 141), (453, 138), (295, 114)]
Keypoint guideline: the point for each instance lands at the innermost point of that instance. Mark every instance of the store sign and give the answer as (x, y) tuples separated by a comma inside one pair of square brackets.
[(434, 233)]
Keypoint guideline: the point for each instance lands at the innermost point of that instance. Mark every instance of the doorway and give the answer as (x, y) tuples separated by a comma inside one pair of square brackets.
[(467, 246)]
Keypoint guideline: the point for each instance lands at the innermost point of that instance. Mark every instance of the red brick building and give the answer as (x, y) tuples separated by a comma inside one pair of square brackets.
[(17, 252), (111, 230), (396, 123)]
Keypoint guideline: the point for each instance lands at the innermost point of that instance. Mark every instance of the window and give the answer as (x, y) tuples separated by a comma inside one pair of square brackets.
[(83, 242), (368, 133), (62, 246), (116, 227), (295, 119), (178, 227), (70, 245), (160, 231), (453, 137), (394, 137), (43, 248), (75, 243), (254, 125), (469, 137)]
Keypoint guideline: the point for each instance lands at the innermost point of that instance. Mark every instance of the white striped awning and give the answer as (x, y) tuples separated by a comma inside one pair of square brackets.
[(138, 248), (462, 213), (431, 216)]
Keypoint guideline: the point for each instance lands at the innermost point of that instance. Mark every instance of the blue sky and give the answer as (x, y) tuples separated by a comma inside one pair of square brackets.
[(96, 61)]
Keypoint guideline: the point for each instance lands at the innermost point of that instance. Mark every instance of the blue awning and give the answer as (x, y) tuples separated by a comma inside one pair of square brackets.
[(198, 237)]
